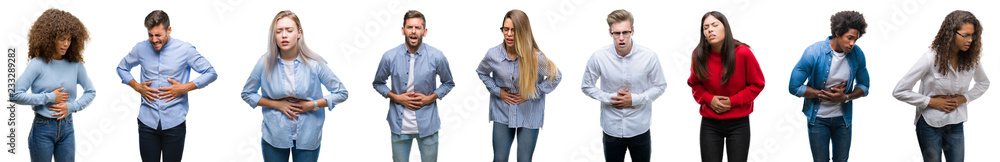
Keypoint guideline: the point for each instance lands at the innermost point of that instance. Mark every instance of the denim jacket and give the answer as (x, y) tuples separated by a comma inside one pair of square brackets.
[(814, 67)]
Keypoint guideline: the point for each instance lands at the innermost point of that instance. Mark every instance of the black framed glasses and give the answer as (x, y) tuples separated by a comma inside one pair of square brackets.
[(621, 33), (506, 29), (969, 36)]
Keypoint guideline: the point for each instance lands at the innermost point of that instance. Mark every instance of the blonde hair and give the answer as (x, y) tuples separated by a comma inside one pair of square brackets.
[(619, 16), (272, 49), (526, 48)]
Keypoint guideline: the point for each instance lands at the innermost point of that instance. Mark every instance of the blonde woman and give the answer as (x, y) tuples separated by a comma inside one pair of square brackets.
[(518, 75), (289, 77)]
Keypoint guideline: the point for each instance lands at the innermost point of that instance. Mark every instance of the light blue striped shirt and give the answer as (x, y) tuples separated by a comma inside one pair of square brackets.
[(43, 77), (497, 70), (276, 127), (174, 61), (429, 62), (640, 72)]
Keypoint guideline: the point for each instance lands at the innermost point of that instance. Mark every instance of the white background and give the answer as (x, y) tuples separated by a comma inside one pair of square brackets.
[(352, 35)]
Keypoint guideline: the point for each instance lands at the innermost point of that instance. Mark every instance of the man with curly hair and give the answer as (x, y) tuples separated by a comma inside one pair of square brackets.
[(55, 47), (166, 68), (836, 73)]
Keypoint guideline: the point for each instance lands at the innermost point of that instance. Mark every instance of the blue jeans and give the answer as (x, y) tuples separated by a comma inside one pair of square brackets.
[(827, 130), (950, 139), (504, 136), (50, 137), (401, 147), (169, 142), (272, 154)]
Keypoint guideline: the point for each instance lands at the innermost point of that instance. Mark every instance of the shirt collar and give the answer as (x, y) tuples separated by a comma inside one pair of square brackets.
[(503, 49), (420, 50), (630, 52), (170, 41), (280, 61)]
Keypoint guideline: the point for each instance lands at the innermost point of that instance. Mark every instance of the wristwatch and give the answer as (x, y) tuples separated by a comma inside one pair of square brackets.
[(315, 105), (848, 98)]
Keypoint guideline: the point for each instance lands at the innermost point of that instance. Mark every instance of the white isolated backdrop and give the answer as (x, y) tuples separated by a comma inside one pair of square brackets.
[(352, 35)]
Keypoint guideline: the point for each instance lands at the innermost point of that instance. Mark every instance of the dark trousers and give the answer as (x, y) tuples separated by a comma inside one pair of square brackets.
[(639, 146), (731, 134), (170, 142)]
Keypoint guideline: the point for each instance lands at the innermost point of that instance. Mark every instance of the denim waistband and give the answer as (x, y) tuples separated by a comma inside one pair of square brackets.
[(43, 118)]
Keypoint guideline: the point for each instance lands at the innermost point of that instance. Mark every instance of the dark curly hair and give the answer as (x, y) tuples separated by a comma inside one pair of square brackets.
[(843, 21), (52, 24), (944, 42)]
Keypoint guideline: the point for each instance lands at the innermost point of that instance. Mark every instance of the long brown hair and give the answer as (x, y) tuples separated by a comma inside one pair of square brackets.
[(272, 49), (526, 48), (699, 62), (944, 42), (52, 24)]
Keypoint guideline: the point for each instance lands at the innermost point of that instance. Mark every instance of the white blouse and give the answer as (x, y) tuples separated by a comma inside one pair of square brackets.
[(933, 83)]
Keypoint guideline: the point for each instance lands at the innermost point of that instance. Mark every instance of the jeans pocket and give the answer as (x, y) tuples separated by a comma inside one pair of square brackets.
[(430, 140), (39, 122)]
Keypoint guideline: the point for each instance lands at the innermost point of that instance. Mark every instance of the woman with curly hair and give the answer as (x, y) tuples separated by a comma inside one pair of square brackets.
[(55, 47), (944, 73)]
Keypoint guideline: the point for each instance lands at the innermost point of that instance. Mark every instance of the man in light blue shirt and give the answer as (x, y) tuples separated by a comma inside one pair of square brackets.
[(413, 113), (166, 68), (631, 78)]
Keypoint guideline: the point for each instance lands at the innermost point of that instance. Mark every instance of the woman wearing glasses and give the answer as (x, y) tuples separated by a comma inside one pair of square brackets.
[(289, 76), (944, 73), (518, 75), (725, 79)]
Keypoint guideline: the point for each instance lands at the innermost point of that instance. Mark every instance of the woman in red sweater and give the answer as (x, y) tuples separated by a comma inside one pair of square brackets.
[(725, 79)]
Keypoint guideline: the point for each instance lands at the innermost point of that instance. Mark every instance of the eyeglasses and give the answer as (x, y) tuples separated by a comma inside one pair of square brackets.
[(970, 36), (622, 33), (506, 29)]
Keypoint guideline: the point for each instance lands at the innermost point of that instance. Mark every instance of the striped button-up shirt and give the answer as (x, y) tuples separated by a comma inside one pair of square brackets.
[(499, 71)]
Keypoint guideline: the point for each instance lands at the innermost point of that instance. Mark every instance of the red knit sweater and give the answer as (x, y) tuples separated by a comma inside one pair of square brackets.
[(742, 88)]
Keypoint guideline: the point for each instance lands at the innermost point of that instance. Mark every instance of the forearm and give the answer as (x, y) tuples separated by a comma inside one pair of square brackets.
[(433, 96), (392, 96), (321, 103), (267, 102), (189, 86), (855, 94), (132, 83), (811, 93)]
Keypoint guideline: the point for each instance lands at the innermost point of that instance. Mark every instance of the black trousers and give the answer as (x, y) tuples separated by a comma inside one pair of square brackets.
[(170, 142), (731, 134), (639, 146)]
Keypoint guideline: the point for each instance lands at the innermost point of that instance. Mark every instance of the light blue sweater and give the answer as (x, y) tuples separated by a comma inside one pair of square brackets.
[(43, 77)]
